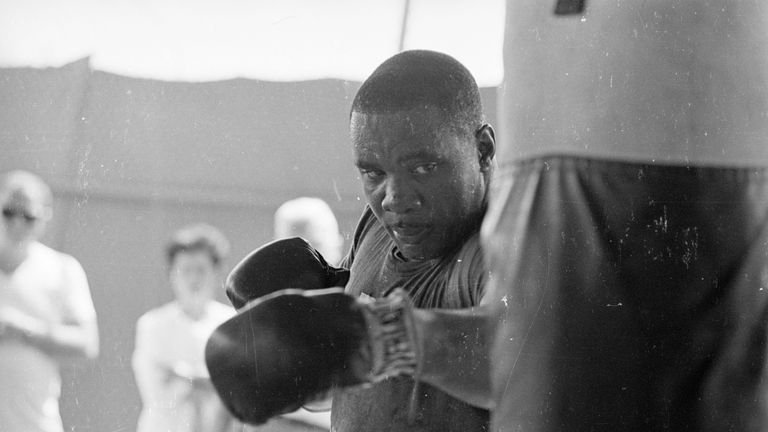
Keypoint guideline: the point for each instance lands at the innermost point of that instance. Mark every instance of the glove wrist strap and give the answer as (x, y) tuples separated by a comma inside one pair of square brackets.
[(392, 336)]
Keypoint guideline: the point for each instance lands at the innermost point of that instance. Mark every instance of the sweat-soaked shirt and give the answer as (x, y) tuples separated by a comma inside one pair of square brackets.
[(451, 282)]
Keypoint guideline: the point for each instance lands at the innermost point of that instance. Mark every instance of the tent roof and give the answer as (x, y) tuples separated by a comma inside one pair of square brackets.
[(287, 40)]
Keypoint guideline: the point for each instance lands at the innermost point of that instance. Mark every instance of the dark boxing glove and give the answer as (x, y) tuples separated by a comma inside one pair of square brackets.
[(293, 347), (284, 263)]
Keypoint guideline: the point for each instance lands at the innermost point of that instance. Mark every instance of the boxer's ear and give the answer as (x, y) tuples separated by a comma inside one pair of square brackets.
[(485, 140)]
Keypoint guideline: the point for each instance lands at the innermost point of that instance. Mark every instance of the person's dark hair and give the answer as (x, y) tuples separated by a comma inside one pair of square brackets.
[(422, 78), (196, 237)]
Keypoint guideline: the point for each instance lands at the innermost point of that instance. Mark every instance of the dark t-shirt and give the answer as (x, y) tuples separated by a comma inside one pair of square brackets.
[(452, 282)]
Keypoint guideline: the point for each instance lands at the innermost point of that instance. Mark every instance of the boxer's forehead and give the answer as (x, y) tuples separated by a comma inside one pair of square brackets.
[(411, 133)]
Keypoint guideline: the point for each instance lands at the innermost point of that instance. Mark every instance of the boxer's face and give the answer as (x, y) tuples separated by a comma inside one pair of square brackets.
[(425, 182)]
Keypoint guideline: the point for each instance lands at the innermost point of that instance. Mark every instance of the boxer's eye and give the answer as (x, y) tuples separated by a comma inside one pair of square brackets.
[(424, 169), (371, 174)]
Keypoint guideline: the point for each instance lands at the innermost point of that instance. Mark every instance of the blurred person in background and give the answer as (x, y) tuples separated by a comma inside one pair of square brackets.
[(313, 220), (46, 311), (168, 358)]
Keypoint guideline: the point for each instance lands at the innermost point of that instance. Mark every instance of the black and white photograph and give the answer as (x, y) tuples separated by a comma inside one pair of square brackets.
[(383, 216)]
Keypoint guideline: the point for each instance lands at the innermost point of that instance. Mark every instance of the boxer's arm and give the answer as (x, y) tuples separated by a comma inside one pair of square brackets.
[(312, 342), (454, 350)]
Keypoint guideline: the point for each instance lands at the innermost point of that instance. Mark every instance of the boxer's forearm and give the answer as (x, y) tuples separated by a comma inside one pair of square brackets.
[(455, 348)]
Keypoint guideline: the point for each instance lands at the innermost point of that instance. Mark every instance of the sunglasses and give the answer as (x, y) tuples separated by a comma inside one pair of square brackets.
[(12, 213)]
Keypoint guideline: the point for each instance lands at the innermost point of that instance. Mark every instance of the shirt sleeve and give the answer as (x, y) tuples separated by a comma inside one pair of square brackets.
[(362, 226), (473, 272), (77, 304)]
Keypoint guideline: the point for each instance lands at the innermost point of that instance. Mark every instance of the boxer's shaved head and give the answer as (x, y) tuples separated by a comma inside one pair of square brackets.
[(420, 78), (424, 154)]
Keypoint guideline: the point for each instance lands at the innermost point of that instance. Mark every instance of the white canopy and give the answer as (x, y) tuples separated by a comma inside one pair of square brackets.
[(286, 40)]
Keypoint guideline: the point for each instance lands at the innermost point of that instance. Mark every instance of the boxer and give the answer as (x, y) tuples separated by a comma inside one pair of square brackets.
[(425, 156)]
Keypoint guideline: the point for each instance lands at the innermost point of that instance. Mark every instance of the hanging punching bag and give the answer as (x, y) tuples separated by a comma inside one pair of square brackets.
[(628, 227)]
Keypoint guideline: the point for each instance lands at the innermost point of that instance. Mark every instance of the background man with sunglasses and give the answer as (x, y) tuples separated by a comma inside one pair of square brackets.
[(46, 311)]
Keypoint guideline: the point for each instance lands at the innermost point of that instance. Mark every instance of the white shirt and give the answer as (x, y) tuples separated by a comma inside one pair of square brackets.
[(52, 287), (167, 338)]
